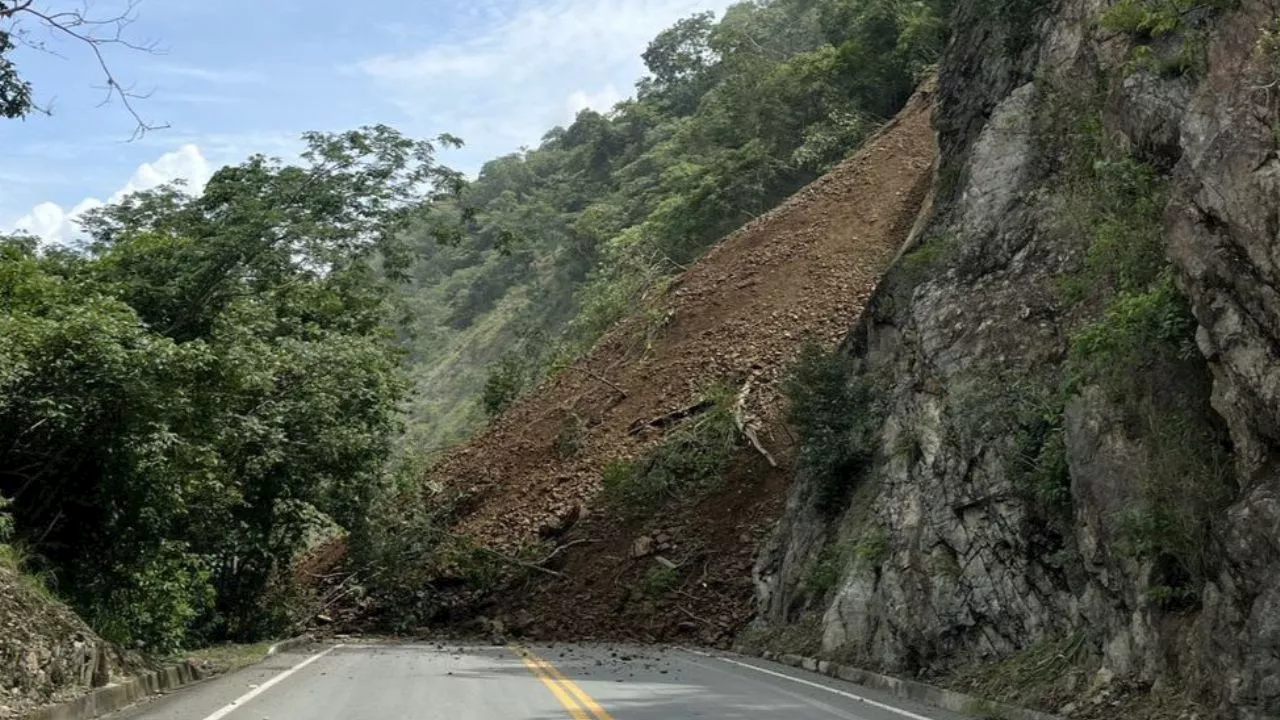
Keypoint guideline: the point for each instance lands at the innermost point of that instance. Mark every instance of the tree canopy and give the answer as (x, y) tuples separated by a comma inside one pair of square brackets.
[(561, 240), (181, 402)]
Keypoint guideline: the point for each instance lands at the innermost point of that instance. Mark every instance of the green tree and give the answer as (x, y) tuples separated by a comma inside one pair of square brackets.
[(215, 371)]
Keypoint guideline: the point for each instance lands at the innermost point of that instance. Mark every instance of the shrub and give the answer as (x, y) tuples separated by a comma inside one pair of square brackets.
[(506, 381), (823, 572), (692, 455), (1136, 330), (1122, 203), (1023, 415), (154, 607), (660, 580), (568, 441), (838, 415)]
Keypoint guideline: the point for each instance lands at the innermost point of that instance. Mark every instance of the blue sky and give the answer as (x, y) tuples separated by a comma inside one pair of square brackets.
[(236, 77)]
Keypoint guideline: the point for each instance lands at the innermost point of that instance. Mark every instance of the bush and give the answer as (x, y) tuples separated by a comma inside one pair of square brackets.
[(155, 606), (1137, 329), (692, 455), (660, 580), (506, 381), (569, 439), (838, 416)]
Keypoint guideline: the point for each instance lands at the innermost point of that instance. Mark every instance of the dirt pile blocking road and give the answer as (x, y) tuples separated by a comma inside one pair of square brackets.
[(531, 480)]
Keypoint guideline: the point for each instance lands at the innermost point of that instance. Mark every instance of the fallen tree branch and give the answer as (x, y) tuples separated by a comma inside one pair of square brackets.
[(596, 376), (507, 558), (747, 423), (564, 547), (695, 617), (671, 417)]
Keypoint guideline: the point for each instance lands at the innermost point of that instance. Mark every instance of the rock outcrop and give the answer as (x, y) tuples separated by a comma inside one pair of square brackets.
[(1083, 433), (47, 653)]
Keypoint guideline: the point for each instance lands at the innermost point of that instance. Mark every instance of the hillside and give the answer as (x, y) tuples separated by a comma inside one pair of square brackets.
[(47, 654), (737, 317)]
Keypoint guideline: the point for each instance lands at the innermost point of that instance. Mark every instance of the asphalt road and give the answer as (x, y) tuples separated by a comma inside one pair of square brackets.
[(541, 682)]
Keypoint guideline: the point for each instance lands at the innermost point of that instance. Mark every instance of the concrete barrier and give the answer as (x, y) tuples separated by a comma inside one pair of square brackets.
[(118, 696), (906, 689)]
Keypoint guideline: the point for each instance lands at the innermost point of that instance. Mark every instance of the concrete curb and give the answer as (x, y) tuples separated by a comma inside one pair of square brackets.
[(120, 695), (906, 689)]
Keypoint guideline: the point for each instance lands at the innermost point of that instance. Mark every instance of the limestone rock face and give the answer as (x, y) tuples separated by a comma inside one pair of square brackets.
[(946, 559)]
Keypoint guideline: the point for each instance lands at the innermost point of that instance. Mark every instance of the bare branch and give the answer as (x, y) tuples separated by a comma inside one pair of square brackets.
[(96, 33)]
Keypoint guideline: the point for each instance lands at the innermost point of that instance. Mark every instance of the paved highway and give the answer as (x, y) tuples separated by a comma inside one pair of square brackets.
[(544, 682)]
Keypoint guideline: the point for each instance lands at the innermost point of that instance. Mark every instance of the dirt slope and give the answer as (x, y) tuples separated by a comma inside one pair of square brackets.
[(738, 314)]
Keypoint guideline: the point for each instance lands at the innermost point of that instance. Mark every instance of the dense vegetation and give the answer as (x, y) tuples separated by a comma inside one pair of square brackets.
[(560, 241), (213, 380), (182, 402)]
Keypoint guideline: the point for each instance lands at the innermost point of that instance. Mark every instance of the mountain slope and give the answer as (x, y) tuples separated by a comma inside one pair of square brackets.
[(736, 317)]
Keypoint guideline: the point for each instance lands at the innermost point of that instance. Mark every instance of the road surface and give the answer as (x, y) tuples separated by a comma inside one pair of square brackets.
[(369, 681)]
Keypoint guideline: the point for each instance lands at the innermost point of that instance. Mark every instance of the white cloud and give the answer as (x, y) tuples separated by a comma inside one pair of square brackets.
[(601, 101), (527, 69), (216, 76), (54, 224)]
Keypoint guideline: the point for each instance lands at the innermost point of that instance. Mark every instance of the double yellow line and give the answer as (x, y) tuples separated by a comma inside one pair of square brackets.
[(573, 698)]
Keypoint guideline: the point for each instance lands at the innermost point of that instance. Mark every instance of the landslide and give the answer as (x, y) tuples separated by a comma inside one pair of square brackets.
[(529, 484)]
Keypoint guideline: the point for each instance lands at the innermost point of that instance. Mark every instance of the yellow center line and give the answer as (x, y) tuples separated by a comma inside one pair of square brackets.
[(549, 674), (574, 711)]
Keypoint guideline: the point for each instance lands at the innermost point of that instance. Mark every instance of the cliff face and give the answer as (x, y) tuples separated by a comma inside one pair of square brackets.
[(1075, 488)]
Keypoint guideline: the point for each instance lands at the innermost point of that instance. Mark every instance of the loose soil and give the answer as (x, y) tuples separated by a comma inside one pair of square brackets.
[(531, 479)]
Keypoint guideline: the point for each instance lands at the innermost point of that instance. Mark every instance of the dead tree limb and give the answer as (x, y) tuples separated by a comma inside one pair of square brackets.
[(747, 423), (507, 558), (95, 33), (671, 417), (596, 376), (564, 547)]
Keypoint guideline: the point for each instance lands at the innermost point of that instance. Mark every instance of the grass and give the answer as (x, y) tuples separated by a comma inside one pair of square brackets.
[(228, 658), (929, 259), (1024, 414), (1032, 676), (16, 558), (1137, 344), (692, 455)]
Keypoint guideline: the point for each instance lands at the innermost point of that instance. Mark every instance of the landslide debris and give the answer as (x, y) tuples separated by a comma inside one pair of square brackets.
[(528, 486)]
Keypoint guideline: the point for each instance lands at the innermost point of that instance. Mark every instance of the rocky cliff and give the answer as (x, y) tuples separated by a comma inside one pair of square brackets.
[(1074, 497)]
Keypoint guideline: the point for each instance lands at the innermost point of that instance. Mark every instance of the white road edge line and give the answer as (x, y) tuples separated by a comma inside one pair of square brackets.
[(240, 701), (820, 686)]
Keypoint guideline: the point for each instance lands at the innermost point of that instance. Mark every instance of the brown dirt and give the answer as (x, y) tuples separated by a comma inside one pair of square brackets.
[(805, 269)]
